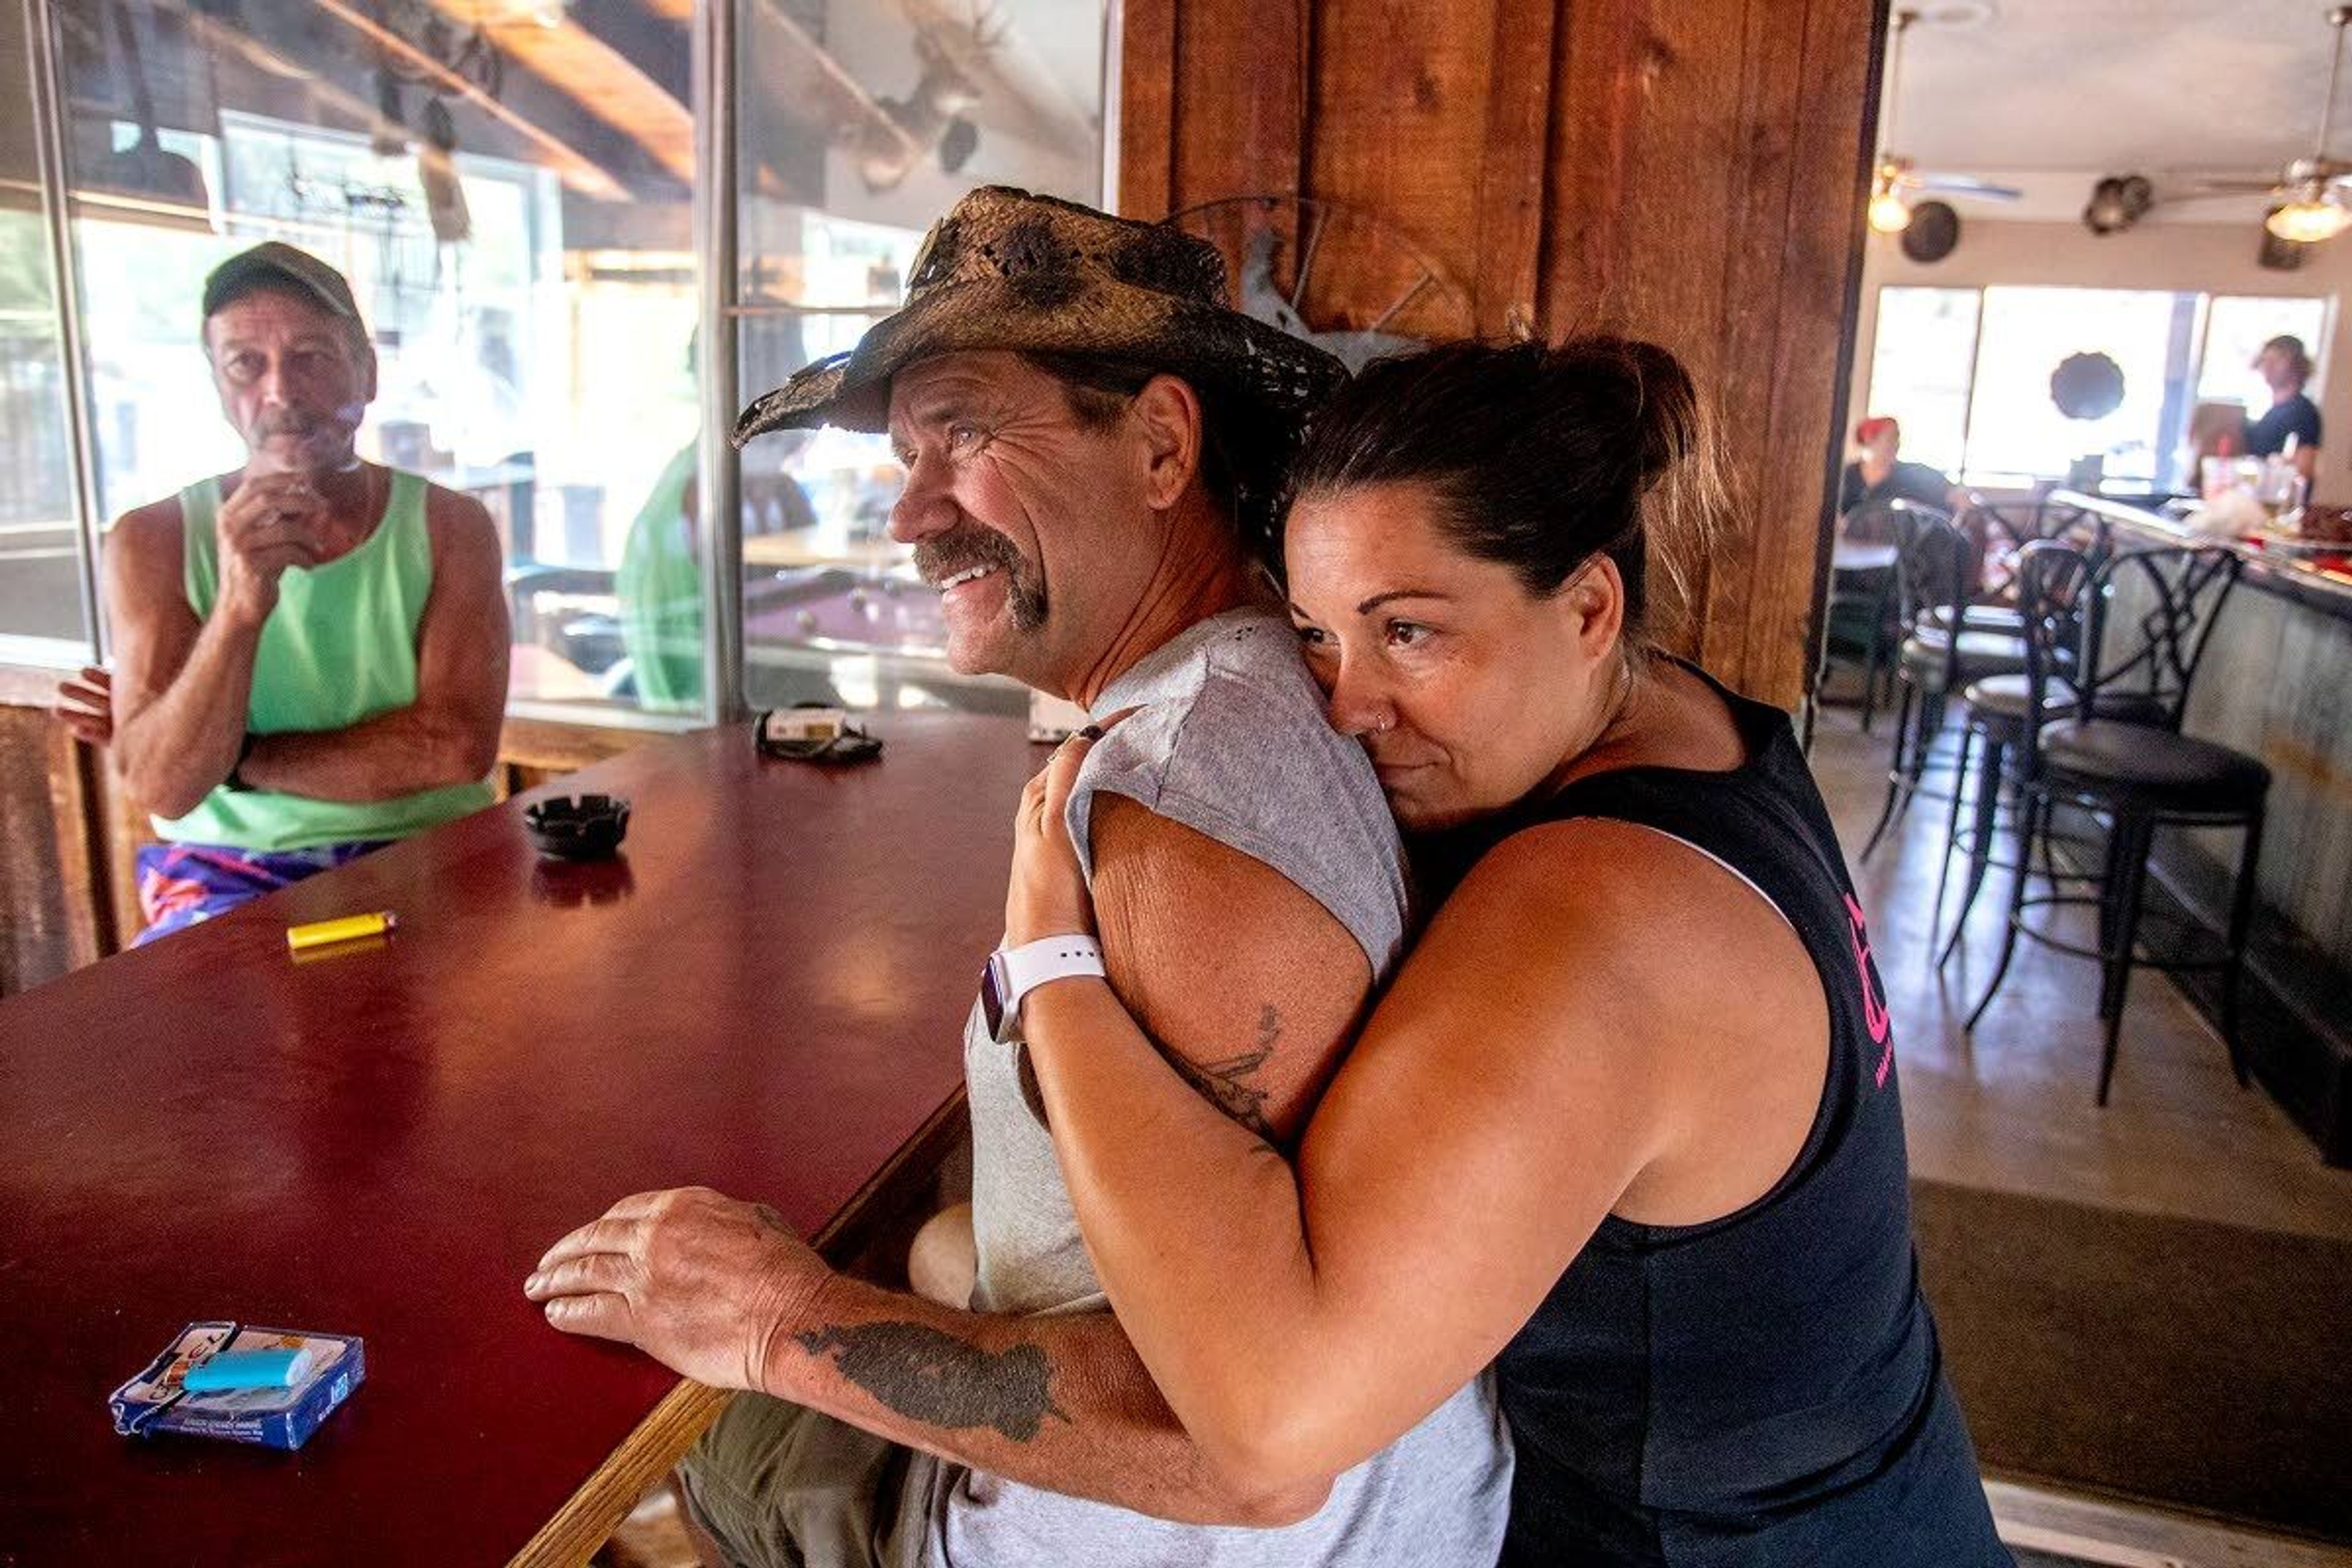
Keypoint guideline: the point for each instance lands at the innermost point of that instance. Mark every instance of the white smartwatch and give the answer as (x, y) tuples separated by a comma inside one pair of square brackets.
[(1015, 971)]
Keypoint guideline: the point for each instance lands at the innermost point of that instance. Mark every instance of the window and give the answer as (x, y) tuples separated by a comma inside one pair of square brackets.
[(509, 198), (41, 600), (41, 551), (850, 143), (2016, 431), (1968, 374), (2235, 331), (1919, 369)]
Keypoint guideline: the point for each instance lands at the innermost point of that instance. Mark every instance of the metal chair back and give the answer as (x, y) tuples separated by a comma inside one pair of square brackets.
[(1932, 558), (2092, 532), (2001, 530), (2052, 588), (1871, 521), (2149, 617), (1931, 567)]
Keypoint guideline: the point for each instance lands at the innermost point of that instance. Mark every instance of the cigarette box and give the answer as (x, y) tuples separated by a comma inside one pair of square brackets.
[(157, 1400)]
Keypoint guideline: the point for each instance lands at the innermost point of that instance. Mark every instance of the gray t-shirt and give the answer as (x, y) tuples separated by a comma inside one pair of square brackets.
[(1229, 739)]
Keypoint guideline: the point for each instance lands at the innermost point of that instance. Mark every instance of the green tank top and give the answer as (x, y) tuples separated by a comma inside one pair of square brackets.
[(340, 648), (660, 589)]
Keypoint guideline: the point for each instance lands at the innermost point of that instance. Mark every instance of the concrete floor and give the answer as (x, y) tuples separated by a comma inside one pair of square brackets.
[(2012, 1109)]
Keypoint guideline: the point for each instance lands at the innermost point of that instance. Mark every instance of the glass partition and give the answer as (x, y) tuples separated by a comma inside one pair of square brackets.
[(510, 188), (41, 598), (507, 188), (858, 125)]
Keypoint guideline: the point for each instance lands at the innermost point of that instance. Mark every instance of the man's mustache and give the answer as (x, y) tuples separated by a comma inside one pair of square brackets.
[(943, 555)]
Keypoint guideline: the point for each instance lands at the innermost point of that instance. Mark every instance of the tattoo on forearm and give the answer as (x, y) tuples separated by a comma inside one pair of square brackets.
[(936, 1378), (1225, 1084)]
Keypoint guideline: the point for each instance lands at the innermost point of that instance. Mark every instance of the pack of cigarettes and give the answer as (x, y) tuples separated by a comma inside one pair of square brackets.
[(801, 726), (246, 1384)]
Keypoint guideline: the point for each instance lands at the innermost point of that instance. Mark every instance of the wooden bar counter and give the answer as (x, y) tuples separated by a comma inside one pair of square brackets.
[(763, 995)]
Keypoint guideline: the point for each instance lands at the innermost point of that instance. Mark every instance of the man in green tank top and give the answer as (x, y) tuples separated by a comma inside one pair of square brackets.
[(311, 652)]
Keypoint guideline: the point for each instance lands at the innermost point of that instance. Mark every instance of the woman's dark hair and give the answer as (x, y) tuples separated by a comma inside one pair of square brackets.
[(1241, 460), (1541, 457)]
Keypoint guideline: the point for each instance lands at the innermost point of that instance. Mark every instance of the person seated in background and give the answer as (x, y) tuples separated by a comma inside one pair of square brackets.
[(2284, 367), (310, 652), (1877, 475), (659, 584)]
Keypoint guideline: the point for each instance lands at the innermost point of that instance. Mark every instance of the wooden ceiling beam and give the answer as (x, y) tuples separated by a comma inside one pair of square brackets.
[(576, 170), (604, 81), (223, 37)]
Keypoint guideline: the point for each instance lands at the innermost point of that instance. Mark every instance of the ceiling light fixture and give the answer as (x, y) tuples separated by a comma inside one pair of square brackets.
[(1887, 213), (2314, 209), (2315, 214)]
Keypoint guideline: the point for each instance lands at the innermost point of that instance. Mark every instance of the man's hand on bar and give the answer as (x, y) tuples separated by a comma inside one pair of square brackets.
[(699, 1281)]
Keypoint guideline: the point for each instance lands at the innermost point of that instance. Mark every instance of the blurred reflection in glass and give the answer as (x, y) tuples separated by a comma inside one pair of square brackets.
[(40, 564), (508, 187), (857, 127), (508, 184)]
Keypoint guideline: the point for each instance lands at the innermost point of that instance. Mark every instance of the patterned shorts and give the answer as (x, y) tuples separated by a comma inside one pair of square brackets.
[(181, 884)]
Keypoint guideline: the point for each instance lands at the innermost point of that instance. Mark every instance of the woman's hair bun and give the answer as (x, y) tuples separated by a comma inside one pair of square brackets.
[(1655, 398), (1539, 458)]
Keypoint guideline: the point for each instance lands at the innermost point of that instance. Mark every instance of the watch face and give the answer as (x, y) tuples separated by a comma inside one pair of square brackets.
[(991, 999)]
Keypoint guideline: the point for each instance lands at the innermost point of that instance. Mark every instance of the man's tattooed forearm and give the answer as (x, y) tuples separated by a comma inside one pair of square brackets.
[(1225, 1084), (936, 1378)]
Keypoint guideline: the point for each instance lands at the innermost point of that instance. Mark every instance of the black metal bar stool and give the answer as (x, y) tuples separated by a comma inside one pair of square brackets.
[(1858, 618), (2138, 776), (2003, 722), (1936, 663), (2046, 609)]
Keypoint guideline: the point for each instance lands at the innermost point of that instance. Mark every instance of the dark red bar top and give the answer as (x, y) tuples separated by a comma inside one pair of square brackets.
[(764, 995)]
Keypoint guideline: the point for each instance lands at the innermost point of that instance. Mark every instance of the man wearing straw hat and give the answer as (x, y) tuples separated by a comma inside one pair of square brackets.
[(1092, 439)]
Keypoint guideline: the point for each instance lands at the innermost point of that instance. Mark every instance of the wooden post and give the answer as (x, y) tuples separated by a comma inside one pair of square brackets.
[(1691, 174)]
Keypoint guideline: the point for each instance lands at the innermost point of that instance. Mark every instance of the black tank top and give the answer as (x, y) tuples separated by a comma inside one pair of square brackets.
[(1765, 1388)]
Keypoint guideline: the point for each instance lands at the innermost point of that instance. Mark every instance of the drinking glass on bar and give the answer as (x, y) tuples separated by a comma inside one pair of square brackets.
[(2281, 491), (2217, 477)]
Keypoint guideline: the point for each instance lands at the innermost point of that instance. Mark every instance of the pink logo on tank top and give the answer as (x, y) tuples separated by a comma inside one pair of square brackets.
[(1874, 1004)]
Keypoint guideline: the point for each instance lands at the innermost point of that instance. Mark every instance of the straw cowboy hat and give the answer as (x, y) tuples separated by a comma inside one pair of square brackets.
[(1005, 269)]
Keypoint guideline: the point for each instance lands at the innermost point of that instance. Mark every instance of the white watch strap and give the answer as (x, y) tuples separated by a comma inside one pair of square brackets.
[(1055, 958)]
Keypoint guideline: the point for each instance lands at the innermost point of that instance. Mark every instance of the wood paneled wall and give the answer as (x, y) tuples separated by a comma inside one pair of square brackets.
[(56, 914), (1688, 170)]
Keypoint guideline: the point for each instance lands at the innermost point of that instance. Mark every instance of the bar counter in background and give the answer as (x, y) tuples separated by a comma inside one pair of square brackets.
[(2276, 683)]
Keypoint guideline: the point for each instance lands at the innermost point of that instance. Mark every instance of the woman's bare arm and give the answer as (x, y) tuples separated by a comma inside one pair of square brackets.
[(1552, 1045)]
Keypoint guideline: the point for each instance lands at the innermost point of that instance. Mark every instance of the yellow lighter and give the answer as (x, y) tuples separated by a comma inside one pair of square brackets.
[(321, 933)]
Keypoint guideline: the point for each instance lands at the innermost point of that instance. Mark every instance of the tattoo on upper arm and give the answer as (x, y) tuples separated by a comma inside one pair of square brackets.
[(1225, 1084), (936, 1378)]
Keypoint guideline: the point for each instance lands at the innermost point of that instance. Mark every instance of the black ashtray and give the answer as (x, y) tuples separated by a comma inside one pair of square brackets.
[(577, 827)]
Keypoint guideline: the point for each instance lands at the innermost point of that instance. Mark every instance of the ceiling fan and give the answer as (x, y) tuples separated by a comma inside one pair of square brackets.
[(1897, 180), (2311, 200)]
